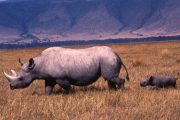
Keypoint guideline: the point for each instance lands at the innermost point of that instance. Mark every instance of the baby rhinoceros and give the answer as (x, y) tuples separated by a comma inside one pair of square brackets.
[(159, 81)]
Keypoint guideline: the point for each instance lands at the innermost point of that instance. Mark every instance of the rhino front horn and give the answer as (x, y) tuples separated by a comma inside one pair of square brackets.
[(9, 77)]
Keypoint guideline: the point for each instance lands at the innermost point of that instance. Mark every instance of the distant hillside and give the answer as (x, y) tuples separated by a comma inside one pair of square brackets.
[(28, 21)]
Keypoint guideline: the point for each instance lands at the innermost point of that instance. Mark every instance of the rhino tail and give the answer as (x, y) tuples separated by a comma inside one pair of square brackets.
[(127, 74)]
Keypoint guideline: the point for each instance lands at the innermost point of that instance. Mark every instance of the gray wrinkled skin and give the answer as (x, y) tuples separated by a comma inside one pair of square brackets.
[(66, 67), (159, 82)]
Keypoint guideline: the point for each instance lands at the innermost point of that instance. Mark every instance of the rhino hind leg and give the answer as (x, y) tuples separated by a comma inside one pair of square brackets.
[(174, 85), (49, 85), (116, 81)]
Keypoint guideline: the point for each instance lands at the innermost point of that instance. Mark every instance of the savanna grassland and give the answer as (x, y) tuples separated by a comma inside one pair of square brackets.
[(97, 102)]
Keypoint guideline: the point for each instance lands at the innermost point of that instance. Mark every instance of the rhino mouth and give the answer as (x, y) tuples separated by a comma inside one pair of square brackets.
[(142, 85), (18, 86), (12, 87)]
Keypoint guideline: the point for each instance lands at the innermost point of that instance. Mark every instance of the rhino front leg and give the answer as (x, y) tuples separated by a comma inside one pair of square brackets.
[(155, 88), (64, 84), (49, 85)]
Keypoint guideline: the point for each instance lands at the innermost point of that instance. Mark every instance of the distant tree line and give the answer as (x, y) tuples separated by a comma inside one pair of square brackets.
[(90, 42)]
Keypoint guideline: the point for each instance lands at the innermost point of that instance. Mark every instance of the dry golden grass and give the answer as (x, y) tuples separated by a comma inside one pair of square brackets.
[(96, 102)]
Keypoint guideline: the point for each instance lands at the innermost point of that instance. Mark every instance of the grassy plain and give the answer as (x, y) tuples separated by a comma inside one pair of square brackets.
[(96, 102)]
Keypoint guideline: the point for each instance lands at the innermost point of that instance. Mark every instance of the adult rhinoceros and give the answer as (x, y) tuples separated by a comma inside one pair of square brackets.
[(66, 67)]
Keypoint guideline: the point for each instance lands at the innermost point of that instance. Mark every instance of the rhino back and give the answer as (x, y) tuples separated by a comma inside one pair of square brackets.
[(163, 81)]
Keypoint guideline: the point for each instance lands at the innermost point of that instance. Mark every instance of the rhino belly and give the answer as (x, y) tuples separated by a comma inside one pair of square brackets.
[(84, 78)]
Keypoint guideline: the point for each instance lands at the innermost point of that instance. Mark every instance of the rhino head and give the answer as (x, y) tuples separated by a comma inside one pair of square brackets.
[(23, 78), (146, 82)]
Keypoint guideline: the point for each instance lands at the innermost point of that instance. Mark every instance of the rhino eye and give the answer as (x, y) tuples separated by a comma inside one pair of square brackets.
[(144, 82), (21, 79)]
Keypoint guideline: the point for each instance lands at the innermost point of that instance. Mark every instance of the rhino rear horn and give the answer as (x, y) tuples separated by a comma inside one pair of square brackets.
[(21, 62), (13, 73)]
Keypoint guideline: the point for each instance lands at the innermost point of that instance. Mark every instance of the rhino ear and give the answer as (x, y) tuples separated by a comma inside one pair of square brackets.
[(31, 64), (151, 79)]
